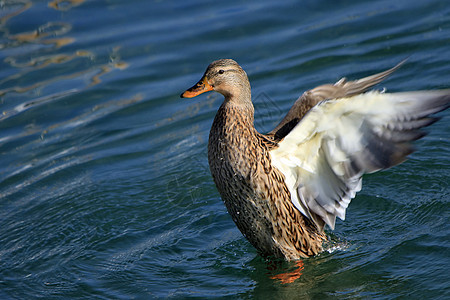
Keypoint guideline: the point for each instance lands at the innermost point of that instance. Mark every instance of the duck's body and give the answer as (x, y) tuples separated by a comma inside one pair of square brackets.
[(254, 191), (281, 188)]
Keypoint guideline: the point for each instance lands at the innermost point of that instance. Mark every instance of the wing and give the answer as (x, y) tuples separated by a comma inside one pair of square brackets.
[(324, 157), (309, 99)]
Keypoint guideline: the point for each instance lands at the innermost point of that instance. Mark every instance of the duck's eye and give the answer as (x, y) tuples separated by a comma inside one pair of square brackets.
[(221, 71)]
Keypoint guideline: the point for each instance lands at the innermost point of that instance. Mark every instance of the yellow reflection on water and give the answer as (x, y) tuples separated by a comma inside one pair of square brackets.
[(59, 42), (35, 36), (50, 33), (115, 63), (64, 5), (32, 66), (95, 79), (105, 69), (43, 61), (23, 5), (37, 64), (39, 35)]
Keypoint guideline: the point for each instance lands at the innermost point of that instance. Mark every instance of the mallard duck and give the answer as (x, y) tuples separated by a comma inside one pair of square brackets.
[(282, 188)]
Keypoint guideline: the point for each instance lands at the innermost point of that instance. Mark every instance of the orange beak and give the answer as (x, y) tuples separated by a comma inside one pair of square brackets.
[(199, 88)]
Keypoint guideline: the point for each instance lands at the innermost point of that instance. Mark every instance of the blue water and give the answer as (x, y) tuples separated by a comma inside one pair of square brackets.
[(105, 190)]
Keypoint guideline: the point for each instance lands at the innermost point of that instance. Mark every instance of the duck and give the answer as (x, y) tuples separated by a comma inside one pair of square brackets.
[(284, 187)]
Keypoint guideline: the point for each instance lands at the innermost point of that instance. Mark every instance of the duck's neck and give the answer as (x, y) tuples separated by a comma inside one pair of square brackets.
[(231, 141), (236, 113)]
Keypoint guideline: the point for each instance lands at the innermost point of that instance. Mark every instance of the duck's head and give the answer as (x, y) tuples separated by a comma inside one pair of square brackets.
[(224, 76)]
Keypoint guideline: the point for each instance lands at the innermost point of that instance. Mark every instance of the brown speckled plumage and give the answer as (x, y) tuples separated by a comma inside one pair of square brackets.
[(254, 192), (253, 189)]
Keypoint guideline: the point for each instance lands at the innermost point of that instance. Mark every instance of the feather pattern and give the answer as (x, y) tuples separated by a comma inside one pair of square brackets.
[(337, 141), (340, 89)]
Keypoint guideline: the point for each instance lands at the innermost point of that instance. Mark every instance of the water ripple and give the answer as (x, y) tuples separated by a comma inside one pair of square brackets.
[(105, 188)]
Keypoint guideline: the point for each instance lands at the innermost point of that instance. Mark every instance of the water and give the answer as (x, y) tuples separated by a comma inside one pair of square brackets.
[(104, 184)]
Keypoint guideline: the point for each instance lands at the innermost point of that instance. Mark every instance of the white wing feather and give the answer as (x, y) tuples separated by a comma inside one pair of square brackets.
[(324, 157)]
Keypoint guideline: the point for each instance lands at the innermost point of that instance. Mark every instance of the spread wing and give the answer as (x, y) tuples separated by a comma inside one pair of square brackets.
[(325, 155), (340, 89)]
